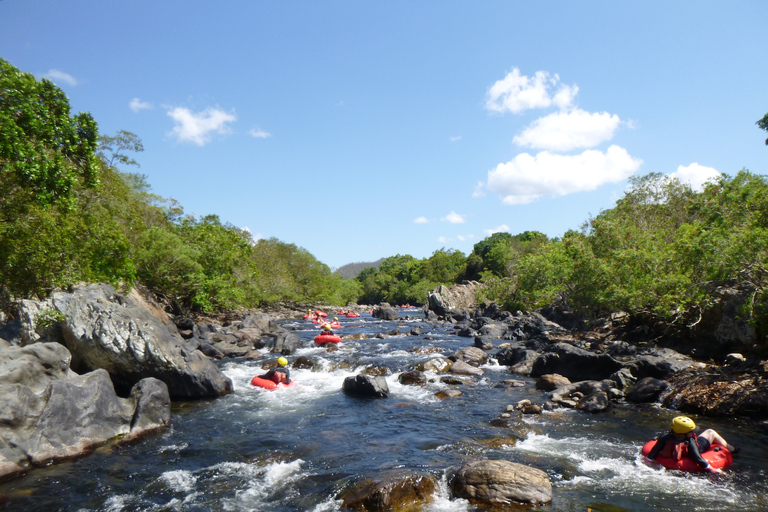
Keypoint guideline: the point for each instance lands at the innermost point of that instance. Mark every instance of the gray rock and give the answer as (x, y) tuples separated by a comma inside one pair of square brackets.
[(471, 355), (501, 482), (131, 339), (366, 386)]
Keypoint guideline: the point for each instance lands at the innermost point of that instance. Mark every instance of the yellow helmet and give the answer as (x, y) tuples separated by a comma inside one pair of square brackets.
[(282, 361), (327, 327), (682, 425)]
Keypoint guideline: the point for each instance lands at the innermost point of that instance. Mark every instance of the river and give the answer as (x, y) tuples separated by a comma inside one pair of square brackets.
[(295, 448)]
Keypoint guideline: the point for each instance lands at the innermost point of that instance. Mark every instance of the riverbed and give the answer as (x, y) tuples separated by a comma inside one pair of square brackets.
[(296, 448)]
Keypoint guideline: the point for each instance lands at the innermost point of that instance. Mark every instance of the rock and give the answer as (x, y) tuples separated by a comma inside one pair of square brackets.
[(647, 390), (519, 358), (500, 482), (442, 300), (590, 395), (396, 491), (55, 414), (551, 381), (594, 402), (718, 394), (484, 342), (303, 362), (575, 363), (449, 393), (462, 368), (623, 378), (385, 312), (470, 355), (131, 339), (366, 386), (286, 343), (415, 378), (416, 331), (437, 365)]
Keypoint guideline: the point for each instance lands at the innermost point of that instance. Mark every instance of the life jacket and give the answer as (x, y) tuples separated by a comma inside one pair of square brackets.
[(280, 377), (675, 449)]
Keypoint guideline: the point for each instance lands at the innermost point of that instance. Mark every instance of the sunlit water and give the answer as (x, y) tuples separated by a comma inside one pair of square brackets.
[(296, 448)]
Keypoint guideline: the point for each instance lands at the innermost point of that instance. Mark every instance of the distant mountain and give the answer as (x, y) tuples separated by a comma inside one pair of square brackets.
[(351, 270)]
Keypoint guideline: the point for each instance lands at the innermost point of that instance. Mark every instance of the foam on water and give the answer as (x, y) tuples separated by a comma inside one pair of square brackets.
[(618, 469)]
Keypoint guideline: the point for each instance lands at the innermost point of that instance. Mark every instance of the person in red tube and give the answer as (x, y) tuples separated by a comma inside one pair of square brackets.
[(682, 441)]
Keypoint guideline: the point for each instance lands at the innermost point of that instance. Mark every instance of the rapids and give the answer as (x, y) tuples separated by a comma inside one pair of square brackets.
[(294, 449)]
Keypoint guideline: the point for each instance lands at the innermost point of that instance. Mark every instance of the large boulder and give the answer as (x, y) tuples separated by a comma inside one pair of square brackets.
[(575, 363), (719, 394), (48, 413), (500, 483), (385, 312), (647, 390), (395, 491), (128, 337), (470, 355)]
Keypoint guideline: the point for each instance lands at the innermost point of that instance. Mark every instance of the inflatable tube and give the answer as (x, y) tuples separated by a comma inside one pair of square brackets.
[(267, 383), (718, 457), (326, 338), (320, 313), (334, 325), (352, 315)]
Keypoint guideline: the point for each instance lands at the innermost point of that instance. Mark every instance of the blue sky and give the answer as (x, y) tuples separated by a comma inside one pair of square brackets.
[(360, 130)]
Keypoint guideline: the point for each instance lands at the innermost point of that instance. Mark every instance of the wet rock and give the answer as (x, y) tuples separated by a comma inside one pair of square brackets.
[(415, 378), (286, 343), (551, 381), (590, 396), (416, 331), (397, 491), (519, 359), (470, 355), (594, 402), (366, 386), (462, 368), (500, 482), (437, 365), (303, 363), (647, 390), (385, 312), (449, 393)]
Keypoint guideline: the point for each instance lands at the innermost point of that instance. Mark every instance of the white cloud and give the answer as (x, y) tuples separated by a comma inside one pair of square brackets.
[(199, 127), (527, 178), (567, 130), (136, 105), (497, 229), (259, 133), (695, 175), (479, 190), (421, 220), (59, 76), (454, 218), (465, 238), (516, 93), (456, 138), (443, 240)]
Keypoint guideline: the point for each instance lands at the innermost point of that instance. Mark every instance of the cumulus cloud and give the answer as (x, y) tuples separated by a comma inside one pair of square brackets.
[(696, 175), (199, 127), (456, 138), (567, 130), (517, 93), (136, 105), (527, 178), (420, 220), (454, 218), (258, 133), (59, 76), (498, 229)]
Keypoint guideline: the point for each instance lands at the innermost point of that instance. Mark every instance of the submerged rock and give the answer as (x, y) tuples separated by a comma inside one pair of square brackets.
[(397, 491), (366, 386)]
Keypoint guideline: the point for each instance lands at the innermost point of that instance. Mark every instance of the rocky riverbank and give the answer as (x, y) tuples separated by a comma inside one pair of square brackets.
[(103, 366)]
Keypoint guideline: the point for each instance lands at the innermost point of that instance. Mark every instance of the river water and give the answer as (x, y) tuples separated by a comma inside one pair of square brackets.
[(295, 448)]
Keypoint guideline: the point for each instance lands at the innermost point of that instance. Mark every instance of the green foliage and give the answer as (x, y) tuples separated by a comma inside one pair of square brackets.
[(44, 152), (763, 125)]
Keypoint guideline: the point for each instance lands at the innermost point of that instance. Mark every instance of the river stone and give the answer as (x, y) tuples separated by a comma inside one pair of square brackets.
[(501, 482), (397, 491), (385, 312), (437, 365), (286, 343), (484, 342), (647, 390), (470, 355), (449, 393), (575, 363), (551, 381), (366, 386), (415, 378), (462, 368)]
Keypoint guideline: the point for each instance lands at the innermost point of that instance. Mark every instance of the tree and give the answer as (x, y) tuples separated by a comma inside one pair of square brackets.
[(44, 152), (112, 149), (763, 124)]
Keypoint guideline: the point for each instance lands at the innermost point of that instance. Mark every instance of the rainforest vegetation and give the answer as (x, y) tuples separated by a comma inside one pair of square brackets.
[(72, 211)]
